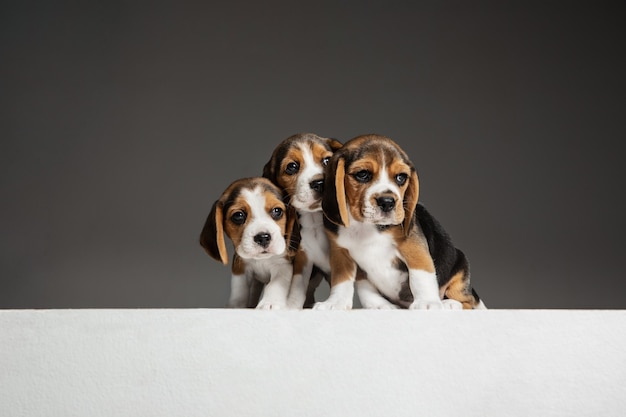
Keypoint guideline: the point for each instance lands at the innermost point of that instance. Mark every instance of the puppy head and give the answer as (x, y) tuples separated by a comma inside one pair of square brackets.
[(372, 180), (297, 166), (253, 216)]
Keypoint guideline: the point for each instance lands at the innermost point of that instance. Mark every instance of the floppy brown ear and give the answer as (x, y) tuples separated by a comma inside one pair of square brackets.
[(411, 196), (212, 236), (334, 199), (334, 144), (268, 170)]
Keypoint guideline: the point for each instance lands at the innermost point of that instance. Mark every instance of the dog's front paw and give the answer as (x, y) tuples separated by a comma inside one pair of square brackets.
[(449, 304), (295, 303), (268, 305), (425, 304), (329, 305)]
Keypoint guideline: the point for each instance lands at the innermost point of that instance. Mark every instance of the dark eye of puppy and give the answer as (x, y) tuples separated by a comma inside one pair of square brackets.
[(401, 179), (292, 168), (325, 161), (238, 217), (363, 176), (276, 213)]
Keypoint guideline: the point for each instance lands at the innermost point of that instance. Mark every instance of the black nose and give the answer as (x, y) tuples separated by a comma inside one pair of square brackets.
[(263, 239), (386, 204), (317, 185)]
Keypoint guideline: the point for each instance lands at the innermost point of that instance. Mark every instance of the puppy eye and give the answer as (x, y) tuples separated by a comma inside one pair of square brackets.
[(325, 160), (292, 168), (276, 213), (363, 176), (238, 217), (401, 179)]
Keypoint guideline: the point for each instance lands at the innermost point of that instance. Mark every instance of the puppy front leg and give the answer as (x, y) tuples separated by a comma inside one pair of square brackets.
[(277, 289), (422, 276), (314, 282), (256, 289), (302, 269), (239, 291), (342, 276), (425, 290), (370, 297)]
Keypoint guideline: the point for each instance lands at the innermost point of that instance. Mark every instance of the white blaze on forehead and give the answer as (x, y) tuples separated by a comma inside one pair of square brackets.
[(256, 199), (383, 184), (309, 169)]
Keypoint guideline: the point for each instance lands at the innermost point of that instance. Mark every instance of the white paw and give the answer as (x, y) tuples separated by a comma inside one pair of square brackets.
[(268, 305), (295, 304), (327, 305), (449, 304), (421, 304)]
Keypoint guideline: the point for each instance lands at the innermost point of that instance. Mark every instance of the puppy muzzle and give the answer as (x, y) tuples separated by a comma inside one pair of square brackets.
[(384, 209)]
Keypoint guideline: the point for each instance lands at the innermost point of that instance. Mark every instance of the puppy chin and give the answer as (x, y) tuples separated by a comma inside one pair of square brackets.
[(385, 221), (377, 217), (307, 204), (259, 255), (254, 251)]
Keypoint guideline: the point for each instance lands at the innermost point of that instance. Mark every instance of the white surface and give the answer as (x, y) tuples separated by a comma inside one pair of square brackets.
[(218, 362)]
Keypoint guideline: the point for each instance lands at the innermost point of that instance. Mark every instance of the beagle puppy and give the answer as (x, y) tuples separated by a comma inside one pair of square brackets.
[(382, 238), (251, 212), (297, 166)]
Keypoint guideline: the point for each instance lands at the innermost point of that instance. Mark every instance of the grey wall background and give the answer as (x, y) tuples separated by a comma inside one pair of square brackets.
[(122, 122)]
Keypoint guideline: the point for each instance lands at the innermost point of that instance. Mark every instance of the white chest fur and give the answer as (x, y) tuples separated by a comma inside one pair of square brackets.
[(375, 253), (263, 269), (314, 240)]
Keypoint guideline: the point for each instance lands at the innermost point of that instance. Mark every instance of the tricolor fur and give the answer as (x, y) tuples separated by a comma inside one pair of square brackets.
[(297, 166), (252, 214), (382, 238)]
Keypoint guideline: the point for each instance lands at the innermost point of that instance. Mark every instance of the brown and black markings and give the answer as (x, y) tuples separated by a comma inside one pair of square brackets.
[(420, 240), (297, 166), (230, 215)]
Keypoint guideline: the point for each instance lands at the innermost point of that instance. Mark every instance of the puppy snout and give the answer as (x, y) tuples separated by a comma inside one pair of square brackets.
[(386, 203), (263, 239), (317, 185)]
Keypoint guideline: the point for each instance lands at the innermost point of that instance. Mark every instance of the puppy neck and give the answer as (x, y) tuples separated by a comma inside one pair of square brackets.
[(311, 219)]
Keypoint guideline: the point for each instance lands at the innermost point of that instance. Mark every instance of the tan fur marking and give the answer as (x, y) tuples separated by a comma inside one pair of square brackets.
[(360, 274), (411, 196), (458, 289), (333, 144), (320, 152), (367, 139), (239, 267), (232, 230), (415, 253), (286, 181), (341, 193), (221, 242), (395, 168), (292, 217), (299, 261), (356, 191), (272, 202), (342, 266)]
